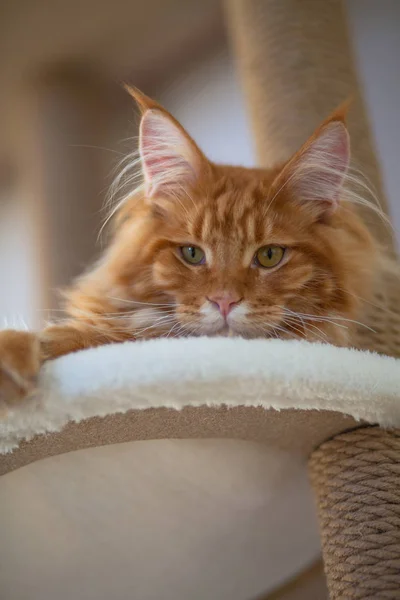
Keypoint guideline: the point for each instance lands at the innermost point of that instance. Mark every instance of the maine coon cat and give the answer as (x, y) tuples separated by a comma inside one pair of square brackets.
[(206, 249)]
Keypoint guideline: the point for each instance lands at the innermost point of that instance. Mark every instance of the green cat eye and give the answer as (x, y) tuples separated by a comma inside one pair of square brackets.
[(193, 255), (269, 256)]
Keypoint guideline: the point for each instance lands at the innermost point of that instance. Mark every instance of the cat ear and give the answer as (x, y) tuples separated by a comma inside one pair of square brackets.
[(170, 158), (316, 173)]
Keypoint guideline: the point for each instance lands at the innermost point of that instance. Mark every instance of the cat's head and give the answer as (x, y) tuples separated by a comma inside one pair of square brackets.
[(251, 252)]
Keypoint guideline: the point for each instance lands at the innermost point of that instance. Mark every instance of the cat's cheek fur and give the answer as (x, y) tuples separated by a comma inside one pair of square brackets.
[(239, 320), (166, 275)]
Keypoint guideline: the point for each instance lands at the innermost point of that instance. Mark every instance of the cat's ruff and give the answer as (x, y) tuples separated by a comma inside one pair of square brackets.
[(202, 372)]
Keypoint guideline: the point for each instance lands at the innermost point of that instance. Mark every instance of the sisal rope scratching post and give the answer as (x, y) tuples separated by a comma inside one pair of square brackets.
[(357, 481), (296, 65)]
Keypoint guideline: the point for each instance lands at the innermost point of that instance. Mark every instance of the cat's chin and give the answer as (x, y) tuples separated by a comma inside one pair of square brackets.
[(232, 331), (223, 332), (228, 332)]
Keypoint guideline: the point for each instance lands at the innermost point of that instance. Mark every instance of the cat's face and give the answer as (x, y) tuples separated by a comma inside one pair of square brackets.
[(250, 252), (236, 261)]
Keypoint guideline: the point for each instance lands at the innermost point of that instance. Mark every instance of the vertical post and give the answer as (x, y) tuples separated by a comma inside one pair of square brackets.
[(67, 122), (356, 479), (296, 65)]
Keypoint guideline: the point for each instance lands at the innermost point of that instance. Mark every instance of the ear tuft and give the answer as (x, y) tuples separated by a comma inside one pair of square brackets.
[(340, 113), (144, 102)]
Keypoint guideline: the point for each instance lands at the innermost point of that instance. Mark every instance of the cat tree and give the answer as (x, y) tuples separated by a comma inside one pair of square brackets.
[(176, 469)]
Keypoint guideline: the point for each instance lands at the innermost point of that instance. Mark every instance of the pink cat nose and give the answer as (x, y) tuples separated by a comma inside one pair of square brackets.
[(225, 302)]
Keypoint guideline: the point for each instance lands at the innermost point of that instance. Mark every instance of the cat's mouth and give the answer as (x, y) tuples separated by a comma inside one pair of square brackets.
[(240, 322), (249, 334), (242, 330)]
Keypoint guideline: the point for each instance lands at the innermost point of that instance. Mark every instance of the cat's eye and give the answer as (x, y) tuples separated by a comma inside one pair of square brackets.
[(269, 256), (193, 255)]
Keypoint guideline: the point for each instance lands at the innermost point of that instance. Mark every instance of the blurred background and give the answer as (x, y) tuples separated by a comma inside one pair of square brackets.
[(65, 121)]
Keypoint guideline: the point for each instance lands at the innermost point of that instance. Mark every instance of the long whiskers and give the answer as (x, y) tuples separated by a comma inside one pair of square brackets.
[(313, 330), (159, 323), (136, 302), (327, 319)]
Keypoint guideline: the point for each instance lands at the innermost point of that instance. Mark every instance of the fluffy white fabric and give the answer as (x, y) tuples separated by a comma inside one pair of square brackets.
[(180, 372)]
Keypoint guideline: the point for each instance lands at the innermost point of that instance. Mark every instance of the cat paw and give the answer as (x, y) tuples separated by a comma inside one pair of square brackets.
[(19, 365)]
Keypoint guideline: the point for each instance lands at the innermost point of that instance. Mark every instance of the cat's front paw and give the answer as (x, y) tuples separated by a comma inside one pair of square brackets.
[(19, 365)]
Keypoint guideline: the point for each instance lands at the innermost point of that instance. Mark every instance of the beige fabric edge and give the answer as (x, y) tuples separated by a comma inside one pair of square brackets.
[(299, 431)]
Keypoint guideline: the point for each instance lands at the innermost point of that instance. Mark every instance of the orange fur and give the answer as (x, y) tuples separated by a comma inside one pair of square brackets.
[(142, 287)]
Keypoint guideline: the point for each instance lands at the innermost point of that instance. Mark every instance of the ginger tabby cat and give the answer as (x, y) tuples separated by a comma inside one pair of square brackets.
[(206, 249)]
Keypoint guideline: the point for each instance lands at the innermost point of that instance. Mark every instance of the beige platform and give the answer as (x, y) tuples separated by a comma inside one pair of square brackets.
[(227, 515)]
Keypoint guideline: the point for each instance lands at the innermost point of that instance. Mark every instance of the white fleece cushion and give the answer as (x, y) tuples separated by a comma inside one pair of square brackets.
[(191, 372)]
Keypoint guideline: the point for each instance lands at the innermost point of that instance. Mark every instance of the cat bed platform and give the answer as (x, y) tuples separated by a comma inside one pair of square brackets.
[(177, 468)]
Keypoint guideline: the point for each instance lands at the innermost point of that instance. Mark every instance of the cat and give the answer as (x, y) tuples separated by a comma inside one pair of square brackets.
[(206, 249)]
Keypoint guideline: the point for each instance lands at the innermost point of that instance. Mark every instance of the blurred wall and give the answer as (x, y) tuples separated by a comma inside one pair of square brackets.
[(207, 100), (19, 298), (375, 27)]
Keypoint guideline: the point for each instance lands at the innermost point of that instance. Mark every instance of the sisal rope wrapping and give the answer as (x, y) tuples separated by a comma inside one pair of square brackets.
[(356, 478)]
